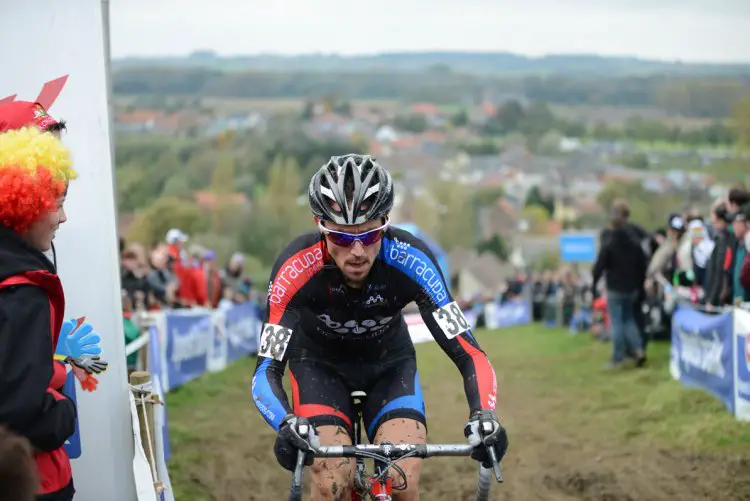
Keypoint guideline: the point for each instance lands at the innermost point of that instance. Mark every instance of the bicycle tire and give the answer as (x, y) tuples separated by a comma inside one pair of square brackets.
[(484, 484)]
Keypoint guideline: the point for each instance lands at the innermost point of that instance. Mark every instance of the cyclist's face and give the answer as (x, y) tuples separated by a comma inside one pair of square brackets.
[(355, 261)]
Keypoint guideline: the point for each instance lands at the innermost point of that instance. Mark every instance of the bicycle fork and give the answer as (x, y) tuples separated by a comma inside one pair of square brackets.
[(380, 490)]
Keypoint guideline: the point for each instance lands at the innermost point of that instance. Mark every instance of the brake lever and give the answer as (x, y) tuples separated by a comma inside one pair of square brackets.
[(495, 463), (297, 475), (492, 455)]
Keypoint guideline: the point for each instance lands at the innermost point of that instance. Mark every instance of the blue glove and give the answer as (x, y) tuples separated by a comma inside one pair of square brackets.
[(77, 338)]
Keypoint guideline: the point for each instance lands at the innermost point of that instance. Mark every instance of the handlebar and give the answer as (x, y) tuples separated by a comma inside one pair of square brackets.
[(391, 452)]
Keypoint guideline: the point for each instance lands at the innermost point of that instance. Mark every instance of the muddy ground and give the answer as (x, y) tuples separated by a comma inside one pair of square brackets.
[(570, 440)]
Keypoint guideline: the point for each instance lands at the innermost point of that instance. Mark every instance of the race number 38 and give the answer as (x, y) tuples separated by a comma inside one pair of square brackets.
[(451, 320), (273, 341)]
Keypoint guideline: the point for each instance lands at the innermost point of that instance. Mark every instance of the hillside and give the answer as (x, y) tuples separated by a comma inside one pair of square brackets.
[(479, 63)]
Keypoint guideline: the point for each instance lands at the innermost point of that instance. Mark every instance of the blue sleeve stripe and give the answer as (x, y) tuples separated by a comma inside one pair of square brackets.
[(416, 265), (266, 401)]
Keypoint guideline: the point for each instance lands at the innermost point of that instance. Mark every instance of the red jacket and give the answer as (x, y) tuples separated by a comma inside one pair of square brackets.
[(188, 292), (32, 305)]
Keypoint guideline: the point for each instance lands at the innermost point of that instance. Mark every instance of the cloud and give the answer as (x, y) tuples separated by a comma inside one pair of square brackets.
[(694, 30)]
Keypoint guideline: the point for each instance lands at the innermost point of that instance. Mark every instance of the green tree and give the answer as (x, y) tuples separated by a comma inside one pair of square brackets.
[(638, 160), (495, 245), (460, 118), (177, 186), (277, 215), (537, 217), (742, 122), (225, 214), (134, 188), (412, 123), (456, 221), (487, 196), (422, 209), (535, 198), (647, 208), (153, 222), (509, 118)]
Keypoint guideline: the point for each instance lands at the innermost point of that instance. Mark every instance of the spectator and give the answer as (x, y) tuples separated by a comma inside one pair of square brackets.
[(195, 274), (17, 114), (133, 278), (662, 263), (736, 198), (740, 224), (181, 264), (227, 301), (538, 296), (212, 280), (233, 275), (643, 239), (161, 279), (18, 479), (130, 329), (35, 169), (703, 246), (624, 262), (718, 285)]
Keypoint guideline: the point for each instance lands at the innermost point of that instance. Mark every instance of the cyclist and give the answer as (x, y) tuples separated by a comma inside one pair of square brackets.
[(334, 315)]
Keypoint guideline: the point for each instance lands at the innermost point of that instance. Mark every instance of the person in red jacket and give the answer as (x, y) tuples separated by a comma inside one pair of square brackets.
[(35, 169), (211, 280), (188, 291)]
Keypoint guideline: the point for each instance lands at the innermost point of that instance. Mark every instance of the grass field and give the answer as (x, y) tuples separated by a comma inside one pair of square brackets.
[(576, 432)]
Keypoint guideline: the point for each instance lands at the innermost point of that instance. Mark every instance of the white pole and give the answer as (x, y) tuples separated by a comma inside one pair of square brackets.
[(43, 41)]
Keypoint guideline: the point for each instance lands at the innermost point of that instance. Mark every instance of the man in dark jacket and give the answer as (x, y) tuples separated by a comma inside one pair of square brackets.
[(718, 286), (624, 262), (646, 243), (32, 304)]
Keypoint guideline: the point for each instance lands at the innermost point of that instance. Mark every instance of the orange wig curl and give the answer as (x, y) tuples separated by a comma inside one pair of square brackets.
[(35, 169)]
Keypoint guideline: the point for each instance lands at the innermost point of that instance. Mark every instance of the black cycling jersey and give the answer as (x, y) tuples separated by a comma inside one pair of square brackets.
[(311, 314)]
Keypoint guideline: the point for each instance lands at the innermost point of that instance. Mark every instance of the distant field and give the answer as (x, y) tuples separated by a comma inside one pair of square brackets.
[(614, 115), (281, 105)]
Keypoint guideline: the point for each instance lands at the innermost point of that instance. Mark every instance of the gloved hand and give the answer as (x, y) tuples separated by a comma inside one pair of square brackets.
[(289, 441), (482, 430), (78, 338), (90, 364)]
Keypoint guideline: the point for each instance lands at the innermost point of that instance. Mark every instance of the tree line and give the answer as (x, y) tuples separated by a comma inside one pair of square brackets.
[(695, 96)]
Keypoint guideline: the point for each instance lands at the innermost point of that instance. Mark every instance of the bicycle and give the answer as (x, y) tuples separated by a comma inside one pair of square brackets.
[(379, 486)]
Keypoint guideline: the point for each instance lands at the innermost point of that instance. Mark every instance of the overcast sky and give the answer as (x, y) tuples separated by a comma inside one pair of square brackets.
[(689, 30)]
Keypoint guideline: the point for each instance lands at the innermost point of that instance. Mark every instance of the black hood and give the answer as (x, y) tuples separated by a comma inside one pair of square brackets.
[(17, 257)]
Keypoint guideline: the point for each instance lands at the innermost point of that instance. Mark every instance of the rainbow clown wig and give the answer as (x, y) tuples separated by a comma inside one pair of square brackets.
[(35, 169)]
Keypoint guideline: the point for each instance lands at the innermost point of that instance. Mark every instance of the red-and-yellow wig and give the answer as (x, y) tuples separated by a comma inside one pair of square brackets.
[(35, 168)]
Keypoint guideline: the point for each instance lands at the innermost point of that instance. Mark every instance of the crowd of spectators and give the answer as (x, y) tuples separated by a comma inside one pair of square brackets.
[(638, 276), (177, 275)]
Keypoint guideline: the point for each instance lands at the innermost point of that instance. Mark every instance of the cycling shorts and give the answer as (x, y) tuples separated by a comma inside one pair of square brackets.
[(321, 391)]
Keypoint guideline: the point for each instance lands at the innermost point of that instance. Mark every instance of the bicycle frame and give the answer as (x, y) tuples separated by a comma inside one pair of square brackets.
[(379, 485)]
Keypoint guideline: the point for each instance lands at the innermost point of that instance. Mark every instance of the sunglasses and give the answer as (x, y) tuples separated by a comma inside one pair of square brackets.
[(344, 239)]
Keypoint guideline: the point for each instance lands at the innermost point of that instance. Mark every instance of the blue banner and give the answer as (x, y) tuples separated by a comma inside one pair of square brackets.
[(242, 326), (743, 369), (577, 247), (702, 352), (73, 443), (512, 312), (189, 338)]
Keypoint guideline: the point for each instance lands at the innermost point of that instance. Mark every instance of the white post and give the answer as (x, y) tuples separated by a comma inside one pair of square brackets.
[(43, 41)]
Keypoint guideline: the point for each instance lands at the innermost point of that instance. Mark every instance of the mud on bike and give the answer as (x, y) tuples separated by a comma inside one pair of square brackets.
[(379, 485)]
